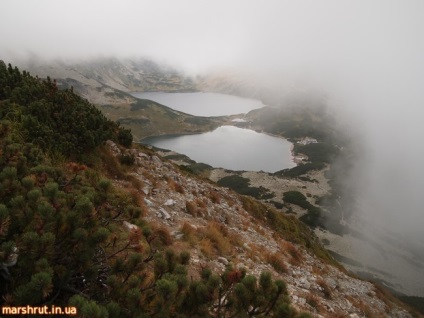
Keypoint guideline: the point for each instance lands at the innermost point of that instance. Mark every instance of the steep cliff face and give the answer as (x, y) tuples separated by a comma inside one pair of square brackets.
[(222, 228)]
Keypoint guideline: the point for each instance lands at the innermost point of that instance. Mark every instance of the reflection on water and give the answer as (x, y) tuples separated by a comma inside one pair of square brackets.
[(231, 148), (203, 104)]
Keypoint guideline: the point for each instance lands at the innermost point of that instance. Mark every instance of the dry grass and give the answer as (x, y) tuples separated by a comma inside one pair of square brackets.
[(230, 201), (201, 203), (245, 224), (235, 238), (161, 234), (320, 270), (175, 186), (191, 208), (180, 246), (325, 288), (291, 250), (135, 182), (207, 248), (314, 302), (260, 230), (196, 208), (110, 164), (137, 198), (215, 197), (218, 235), (179, 188), (189, 233), (363, 308), (146, 174), (255, 252), (387, 297), (213, 240), (277, 262)]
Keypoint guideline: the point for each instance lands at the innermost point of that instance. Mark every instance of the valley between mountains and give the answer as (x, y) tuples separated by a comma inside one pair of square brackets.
[(229, 218)]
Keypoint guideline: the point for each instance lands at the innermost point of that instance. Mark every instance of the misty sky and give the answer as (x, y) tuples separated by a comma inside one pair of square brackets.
[(368, 54), (197, 34)]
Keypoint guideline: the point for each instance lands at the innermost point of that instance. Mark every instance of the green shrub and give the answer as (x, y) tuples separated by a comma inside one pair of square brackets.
[(125, 137), (127, 160), (241, 185)]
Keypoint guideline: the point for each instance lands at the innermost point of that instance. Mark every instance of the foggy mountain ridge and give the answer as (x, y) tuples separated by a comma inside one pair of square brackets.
[(372, 252), (126, 75), (128, 220)]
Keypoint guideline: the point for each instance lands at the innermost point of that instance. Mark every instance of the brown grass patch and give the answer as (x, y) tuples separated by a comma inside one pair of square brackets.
[(245, 224), (277, 262), (135, 181), (363, 308), (255, 252), (295, 255), (218, 235), (161, 234), (260, 230), (189, 233), (201, 203), (207, 248), (110, 164), (230, 201), (146, 174), (137, 198), (174, 185), (235, 238), (325, 288), (314, 302), (215, 197), (191, 208)]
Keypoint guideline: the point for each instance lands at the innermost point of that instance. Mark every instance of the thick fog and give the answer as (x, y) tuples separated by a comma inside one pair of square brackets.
[(368, 56)]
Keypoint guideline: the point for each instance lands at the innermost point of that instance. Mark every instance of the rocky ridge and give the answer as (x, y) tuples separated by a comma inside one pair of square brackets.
[(187, 206)]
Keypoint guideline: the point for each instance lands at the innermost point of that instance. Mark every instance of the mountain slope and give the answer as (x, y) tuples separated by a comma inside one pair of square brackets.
[(68, 236), (107, 229), (107, 82)]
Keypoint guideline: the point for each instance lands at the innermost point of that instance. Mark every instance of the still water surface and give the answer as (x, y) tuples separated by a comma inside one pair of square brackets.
[(231, 148), (203, 104)]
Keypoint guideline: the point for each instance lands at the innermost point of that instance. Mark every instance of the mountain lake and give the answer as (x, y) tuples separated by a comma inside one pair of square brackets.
[(230, 147), (227, 147)]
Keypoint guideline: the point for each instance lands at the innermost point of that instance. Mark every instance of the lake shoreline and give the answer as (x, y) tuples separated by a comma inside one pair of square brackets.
[(242, 149)]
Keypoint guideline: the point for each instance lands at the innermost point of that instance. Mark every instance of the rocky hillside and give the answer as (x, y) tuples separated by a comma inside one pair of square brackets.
[(222, 228)]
